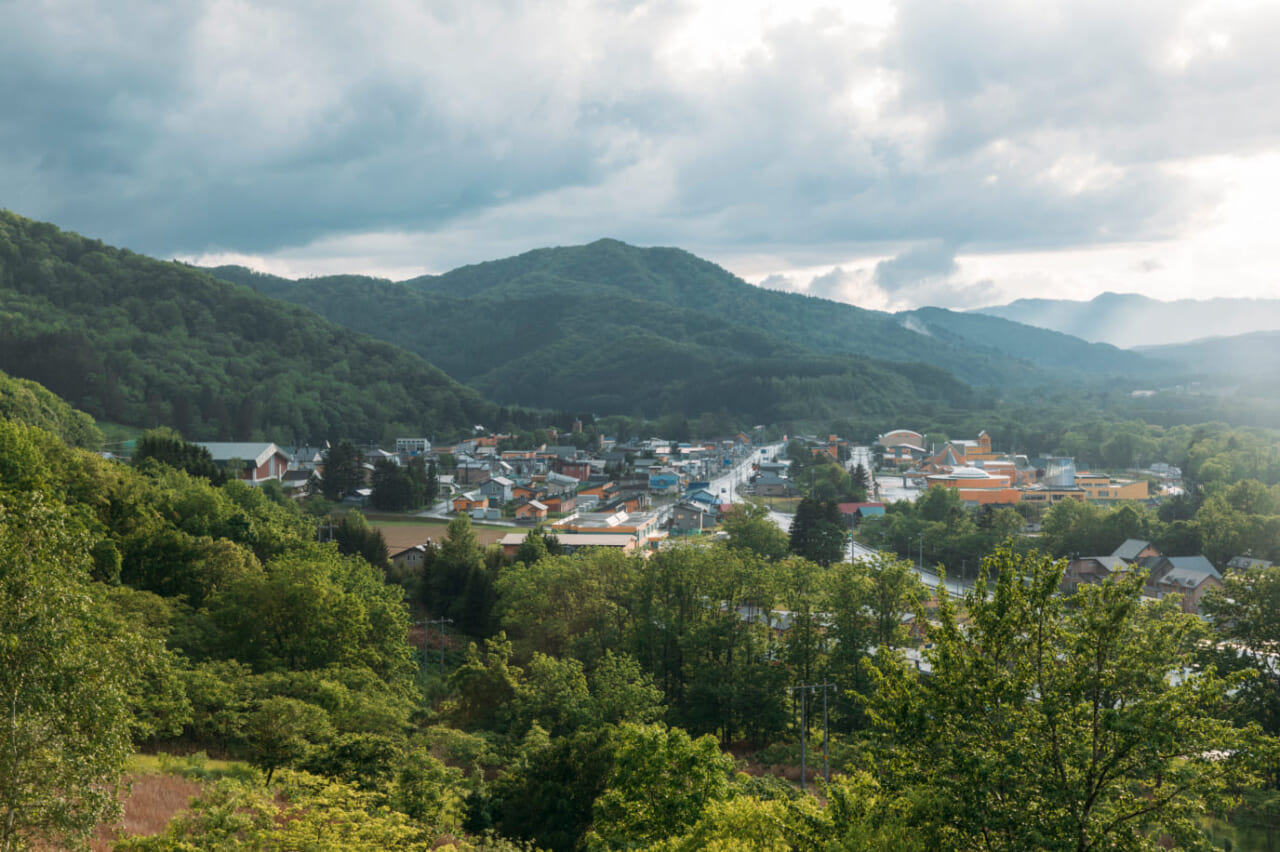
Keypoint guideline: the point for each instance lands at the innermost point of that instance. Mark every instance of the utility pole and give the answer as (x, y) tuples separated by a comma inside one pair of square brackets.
[(804, 727), (426, 645), (921, 563)]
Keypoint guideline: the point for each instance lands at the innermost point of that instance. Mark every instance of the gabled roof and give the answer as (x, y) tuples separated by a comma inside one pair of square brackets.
[(1191, 575), (1111, 563), (245, 451), (1130, 549), (1247, 562), (1187, 567)]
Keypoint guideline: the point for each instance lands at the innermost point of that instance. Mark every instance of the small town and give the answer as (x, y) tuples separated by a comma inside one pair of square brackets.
[(639, 426)]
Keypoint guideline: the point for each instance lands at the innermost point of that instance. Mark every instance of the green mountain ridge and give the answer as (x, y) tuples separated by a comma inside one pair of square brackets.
[(613, 328), (138, 341)]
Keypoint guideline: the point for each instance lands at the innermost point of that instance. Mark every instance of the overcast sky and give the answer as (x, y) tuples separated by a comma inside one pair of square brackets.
[(887, 154)]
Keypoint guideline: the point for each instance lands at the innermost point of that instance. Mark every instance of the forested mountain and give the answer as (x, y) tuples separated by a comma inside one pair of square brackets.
[(1130, 320), (138, 341), (614, 328)]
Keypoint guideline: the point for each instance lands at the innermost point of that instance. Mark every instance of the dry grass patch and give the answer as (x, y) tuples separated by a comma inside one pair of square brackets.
[(152, 800)]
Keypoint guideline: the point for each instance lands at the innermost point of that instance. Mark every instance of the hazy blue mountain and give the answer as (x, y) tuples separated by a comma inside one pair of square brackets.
[(1043, 347), (1130, 320), (1257, 353)]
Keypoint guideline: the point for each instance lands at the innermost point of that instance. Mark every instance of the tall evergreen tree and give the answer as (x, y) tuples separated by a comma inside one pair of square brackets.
[(343, 470), (817, 532)]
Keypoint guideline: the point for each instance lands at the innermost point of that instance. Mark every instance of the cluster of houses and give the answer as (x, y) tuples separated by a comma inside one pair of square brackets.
[(984, 476), (1189, 576), (598, 497)]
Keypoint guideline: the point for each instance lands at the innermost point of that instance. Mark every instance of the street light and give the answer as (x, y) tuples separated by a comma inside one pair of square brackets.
[(921, 563)]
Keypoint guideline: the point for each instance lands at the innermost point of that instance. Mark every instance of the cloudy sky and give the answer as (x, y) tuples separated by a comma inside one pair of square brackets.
[(887, 154)]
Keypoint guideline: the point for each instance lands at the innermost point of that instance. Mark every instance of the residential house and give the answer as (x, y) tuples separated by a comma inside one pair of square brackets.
[(524, 493), (770, 484), (1247, 563), (579, 469), (1189, 576), (410, 557), (472, 471), (693, 517), (1133, 550), (531, 512), (664, 483), (306, 458), (559, 484), (703, 497), (469, 502), (560, 504), (254, 463), (498, 490), (1089, 569)]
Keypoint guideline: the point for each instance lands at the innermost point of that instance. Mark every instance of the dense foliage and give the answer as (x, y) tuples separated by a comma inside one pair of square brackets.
[(136, 341), (589, 696)]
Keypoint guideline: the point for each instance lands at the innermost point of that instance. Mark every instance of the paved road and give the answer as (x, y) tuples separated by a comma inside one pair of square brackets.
[(728, 485)]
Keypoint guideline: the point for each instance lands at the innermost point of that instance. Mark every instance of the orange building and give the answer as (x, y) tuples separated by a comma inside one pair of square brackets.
[(466, 504), (977, 485)]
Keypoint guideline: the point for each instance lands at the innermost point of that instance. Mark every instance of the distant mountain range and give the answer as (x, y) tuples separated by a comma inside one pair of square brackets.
[(1128, 320), (605, 328), (1244, 355), (612, 327)]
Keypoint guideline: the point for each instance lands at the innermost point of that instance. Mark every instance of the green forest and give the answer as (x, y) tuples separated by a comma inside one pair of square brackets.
[(144, 343), (612, 328), (599, 701)]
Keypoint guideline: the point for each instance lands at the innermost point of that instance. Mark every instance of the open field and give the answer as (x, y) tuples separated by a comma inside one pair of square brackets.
[(404, 533)]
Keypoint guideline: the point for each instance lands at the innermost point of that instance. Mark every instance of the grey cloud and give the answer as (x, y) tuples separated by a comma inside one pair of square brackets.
[(920, 263), (252, 128)]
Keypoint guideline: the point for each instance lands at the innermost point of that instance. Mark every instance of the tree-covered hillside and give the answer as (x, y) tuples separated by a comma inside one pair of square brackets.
[(485, 315), (31, 403), (574, 345), (138, 341)]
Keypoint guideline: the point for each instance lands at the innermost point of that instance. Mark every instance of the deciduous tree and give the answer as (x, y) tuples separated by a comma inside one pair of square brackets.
[(1052, 723)]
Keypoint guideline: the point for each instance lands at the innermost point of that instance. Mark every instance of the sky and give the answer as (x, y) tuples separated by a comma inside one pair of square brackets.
[(886, 154)]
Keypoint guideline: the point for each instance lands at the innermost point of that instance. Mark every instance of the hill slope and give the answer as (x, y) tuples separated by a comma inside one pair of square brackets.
[(32, 404), (612, 327), (1131, 320), (138, 341)]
